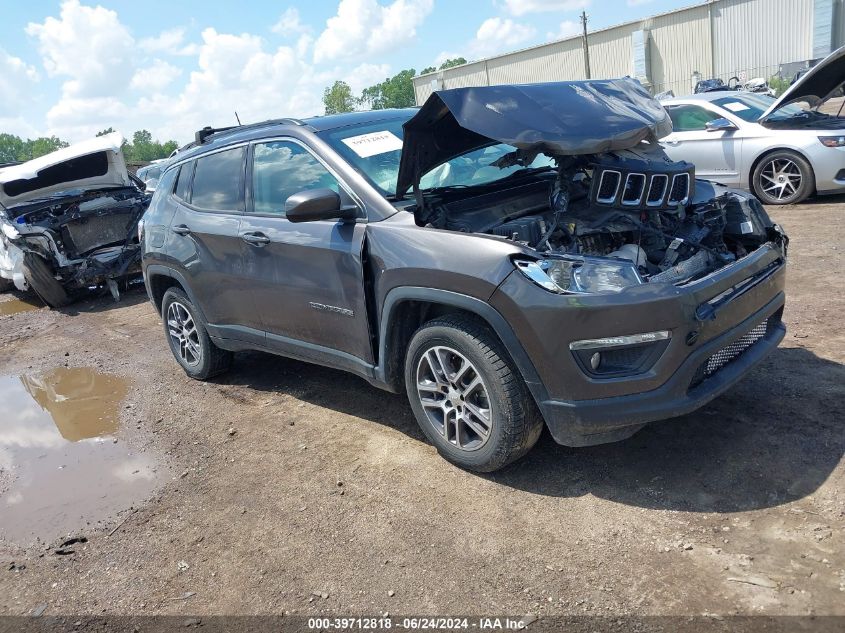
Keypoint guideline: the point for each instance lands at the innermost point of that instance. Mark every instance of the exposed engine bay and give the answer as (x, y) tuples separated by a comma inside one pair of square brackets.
[(88, 239), (632, 214), (69, 220)]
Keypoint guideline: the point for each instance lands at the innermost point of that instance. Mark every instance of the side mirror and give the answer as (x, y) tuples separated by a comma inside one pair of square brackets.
[(720, 125), (316, 204)]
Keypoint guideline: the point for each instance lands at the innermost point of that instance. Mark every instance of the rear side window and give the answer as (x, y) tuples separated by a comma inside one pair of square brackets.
[(218, 181), (183, 181), (165, 184), (281, 169), (690, 118)]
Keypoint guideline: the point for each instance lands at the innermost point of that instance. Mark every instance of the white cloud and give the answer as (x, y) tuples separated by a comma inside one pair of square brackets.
[(499, 34), (17, 80), (74, 118), (168, 41), (365, 27), (367, 75), (155, 77), (238, 73), (636, 3), (289, 23), (567, 28), (521, 7), (89, 46)]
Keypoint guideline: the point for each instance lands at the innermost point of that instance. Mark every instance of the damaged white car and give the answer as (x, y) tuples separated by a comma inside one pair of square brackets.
[(69, 221)]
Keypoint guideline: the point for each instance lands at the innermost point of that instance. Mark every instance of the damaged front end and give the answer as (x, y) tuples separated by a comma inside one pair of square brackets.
[(70, 221), (605, 211)]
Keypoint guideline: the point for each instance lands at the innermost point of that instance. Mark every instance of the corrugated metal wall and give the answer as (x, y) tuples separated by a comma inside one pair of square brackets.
[(723, 38), (755, 37), (680, 45)]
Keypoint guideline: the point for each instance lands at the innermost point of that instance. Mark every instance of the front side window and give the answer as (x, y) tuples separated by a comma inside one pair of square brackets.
[(690, 118), (281, 169), (218, 181)]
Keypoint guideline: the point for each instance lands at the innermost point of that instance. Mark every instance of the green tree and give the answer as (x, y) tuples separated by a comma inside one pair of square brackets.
[(144, 149), (108, 130), (42, 145), (338, 98), (169, 147), (455, 61), (394, 92), (449, 63), (11, 148)]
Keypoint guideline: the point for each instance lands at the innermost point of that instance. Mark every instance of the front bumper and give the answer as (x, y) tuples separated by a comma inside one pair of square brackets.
[(581, 410), (588, 422)]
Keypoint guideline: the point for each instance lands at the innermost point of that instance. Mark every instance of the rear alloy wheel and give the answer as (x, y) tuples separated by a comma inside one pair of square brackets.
[(188, 339), (783, 178), (468, 398)]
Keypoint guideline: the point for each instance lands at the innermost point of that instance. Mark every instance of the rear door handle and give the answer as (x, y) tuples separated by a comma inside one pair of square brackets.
[(255, 239), (672, 143), (180, 229)]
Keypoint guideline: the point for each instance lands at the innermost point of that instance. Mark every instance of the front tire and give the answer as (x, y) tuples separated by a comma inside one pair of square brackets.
[(468, 398), (41, 280), (783, 177), (188, 339)]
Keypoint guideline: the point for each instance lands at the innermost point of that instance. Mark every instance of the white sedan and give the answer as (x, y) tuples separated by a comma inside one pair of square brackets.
[(784, 150)]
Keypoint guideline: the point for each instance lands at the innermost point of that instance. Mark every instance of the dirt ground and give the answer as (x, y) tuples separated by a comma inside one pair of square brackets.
[(286, 487)]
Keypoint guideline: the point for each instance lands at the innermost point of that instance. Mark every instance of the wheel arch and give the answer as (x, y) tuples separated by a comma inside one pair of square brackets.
[(771, 150), (160, 278), (405, 309)]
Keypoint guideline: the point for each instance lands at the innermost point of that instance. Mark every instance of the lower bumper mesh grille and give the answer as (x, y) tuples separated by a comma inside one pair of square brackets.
[(729, 353)]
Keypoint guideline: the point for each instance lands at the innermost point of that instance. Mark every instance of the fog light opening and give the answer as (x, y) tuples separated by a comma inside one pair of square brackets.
[(595, 361)]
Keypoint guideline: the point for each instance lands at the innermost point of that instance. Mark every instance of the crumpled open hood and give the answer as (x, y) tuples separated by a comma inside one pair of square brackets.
[(563, 118), (820, 81), (93, 164)]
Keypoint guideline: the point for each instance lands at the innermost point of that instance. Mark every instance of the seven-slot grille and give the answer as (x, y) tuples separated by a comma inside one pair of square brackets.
[(643, 188), (729, 353)]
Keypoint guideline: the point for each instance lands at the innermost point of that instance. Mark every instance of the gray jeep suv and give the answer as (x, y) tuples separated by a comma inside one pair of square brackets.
[(550, 263)]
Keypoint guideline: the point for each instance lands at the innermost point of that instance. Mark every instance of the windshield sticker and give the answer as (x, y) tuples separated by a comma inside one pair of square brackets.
[(736, 106), (367, 145)]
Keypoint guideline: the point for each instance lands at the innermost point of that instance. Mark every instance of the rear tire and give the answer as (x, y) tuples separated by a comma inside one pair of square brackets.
[(468, 398), (188, 339), (40, 278), (783, 177)]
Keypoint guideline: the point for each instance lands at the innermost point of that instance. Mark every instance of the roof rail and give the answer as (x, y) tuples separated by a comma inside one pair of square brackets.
[(201, 135)]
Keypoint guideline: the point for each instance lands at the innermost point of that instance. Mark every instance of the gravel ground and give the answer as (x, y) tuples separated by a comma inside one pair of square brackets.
[(286, 487)]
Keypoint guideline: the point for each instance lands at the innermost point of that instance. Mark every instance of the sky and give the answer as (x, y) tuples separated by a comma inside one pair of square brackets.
[(73, 67)]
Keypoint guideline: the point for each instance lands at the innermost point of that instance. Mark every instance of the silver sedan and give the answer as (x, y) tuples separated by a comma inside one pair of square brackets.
[(783, 150)]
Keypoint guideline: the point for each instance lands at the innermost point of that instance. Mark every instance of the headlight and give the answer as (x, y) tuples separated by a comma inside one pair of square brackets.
[(584, 275), (833, 141)]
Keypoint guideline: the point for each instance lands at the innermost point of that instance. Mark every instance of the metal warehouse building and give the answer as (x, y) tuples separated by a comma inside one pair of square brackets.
[(719, 38)]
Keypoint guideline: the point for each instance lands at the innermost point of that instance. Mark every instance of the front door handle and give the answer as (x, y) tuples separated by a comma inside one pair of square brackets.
[(180, 229), (672, 143), (255, 239)]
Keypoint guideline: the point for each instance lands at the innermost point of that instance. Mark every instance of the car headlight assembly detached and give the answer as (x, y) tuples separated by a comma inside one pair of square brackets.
[(581, 275), (832, 141)]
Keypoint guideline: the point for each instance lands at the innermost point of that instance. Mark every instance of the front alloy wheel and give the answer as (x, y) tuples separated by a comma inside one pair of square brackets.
[(783, 178), (467, 396), (454, 398)]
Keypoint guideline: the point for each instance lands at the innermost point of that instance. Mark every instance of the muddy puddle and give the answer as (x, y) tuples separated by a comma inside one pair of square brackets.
[(15, 306), (61, 470)]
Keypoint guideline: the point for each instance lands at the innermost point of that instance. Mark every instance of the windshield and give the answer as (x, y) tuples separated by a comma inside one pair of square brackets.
[(373, 149), (751, 107)]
